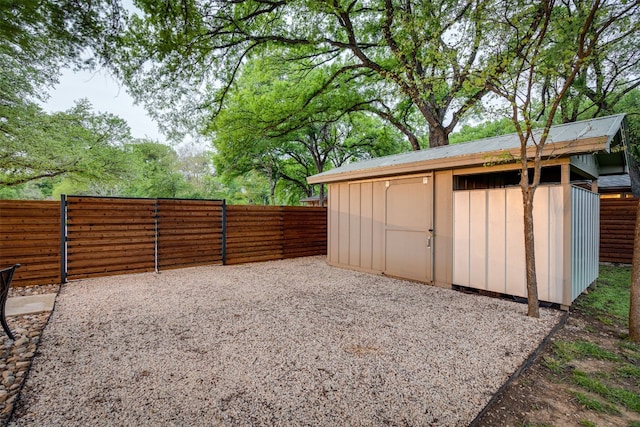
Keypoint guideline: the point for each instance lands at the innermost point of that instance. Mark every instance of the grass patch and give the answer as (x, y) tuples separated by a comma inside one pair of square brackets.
[(629, 371), (609, 300), (628, 398), (589, 349), (630, 350), (590, 384), (563, 352), (554, 365), (609, 321), (613, 394), (594, 404), (610, 388), (581, 349), (630, 345)]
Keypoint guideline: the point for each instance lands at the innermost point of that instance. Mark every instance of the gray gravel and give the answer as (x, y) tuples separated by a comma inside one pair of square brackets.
[(282, 343)]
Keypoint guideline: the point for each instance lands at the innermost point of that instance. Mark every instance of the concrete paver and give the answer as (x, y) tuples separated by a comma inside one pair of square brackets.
[(29, 304)]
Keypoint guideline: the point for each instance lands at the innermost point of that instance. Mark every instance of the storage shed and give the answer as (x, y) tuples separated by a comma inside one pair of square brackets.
[(453, 215)]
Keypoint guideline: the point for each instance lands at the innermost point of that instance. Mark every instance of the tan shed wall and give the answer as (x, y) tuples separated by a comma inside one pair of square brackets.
[(356, 225), (489, 241), (443, 228)]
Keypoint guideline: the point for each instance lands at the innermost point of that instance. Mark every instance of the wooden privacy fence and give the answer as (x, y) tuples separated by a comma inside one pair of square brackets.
[(190, 232), (113, 235), (30, 235), (617, 222), (262, 233), (109, 236), (83, 237)]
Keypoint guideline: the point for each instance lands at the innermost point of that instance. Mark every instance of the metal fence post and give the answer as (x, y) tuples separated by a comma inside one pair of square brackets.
[(157, 237), (63, 238), (224, 231)]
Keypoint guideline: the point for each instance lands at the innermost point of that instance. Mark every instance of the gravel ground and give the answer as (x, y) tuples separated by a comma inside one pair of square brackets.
[(292, 342)]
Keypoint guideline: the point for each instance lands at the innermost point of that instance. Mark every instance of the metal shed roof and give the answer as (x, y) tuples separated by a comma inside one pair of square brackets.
[(587, 136)]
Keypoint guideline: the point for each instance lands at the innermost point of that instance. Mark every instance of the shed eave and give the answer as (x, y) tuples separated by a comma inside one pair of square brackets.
[(614, 129), (551, 150)]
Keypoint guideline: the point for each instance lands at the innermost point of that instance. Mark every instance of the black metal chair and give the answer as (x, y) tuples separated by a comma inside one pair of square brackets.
[(5, 281)]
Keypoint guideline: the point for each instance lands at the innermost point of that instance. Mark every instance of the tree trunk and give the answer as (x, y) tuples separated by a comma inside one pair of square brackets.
[(415, 144), (272, 191), (530, 254), (634, 305), (321, 195), (438, 136)]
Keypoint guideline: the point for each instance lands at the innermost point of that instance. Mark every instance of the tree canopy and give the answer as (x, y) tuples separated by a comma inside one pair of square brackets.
[(288, 88), (35, 145), (612, 68), (429, 59), (267, 124), (37, 39)]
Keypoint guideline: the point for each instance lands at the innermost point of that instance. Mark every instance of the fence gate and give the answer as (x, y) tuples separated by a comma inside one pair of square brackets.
[(106, 236)]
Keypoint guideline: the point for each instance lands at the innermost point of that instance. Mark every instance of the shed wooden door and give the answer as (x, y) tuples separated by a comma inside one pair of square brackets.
[(408, 228)]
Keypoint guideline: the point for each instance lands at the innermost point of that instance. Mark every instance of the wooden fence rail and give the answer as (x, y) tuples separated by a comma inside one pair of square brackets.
[(617, 222), (106, 236)]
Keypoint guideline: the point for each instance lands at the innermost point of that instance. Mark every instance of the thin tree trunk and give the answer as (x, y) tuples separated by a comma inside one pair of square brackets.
[(272, 191), (415, 144), (634, 305), (321, 195), (530, 254)]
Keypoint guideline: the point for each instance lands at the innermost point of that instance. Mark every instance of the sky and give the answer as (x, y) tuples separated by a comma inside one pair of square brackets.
[(106, 95)]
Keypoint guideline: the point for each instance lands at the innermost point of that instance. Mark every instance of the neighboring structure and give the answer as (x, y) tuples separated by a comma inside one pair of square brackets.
[(618, 210), (615, 186), (453, 215), (314, 201)]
